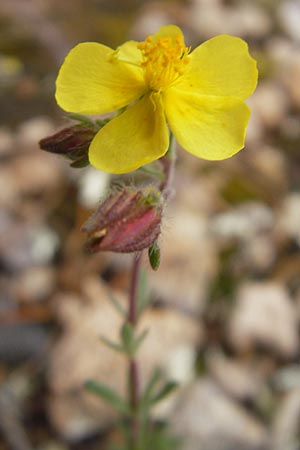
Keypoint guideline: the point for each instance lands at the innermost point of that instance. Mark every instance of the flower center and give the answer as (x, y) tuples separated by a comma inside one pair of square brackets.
[(164, 60)]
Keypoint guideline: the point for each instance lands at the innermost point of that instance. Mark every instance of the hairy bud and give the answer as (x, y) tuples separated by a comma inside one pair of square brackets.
[(126, 221), (72, 142)]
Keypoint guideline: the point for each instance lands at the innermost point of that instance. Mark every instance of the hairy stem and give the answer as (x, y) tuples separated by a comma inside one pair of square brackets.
[(168, 163), (133, 373)]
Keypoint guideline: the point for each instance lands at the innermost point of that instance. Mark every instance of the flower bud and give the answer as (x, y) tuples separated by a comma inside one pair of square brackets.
[(72, 142), (126, 221)]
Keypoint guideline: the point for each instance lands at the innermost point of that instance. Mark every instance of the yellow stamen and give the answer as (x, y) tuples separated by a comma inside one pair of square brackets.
[(164, 60)]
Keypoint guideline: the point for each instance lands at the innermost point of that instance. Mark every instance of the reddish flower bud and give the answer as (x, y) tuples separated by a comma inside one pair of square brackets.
[(72, 142), (126, 221)]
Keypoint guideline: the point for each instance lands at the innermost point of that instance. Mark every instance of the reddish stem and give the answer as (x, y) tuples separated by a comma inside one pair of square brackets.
[(133, 366)]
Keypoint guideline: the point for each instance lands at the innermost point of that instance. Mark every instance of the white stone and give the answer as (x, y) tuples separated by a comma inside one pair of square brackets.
[(244, 222), (264, 314), (93, 184), (207, 419), (289, 216), (289, 17)]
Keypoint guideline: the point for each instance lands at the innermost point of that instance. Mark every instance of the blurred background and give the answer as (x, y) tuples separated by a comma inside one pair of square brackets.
[(226, 300)]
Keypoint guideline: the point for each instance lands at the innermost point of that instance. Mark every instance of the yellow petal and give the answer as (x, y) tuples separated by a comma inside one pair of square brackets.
[(136, 137), (221, 66), (171, 31), (209, 127), (92, 81), (129, 52)]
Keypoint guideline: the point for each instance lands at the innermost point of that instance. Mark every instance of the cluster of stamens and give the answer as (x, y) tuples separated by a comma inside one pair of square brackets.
[(164, 60)]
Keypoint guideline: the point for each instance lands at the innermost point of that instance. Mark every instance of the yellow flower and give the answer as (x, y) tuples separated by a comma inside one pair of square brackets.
[(159, 83)]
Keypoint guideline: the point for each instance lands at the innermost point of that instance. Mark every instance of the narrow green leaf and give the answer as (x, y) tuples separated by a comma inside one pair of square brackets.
[(140, 338), (118, 307), (108, 395), (112, 345), (143, 297), (154, 256), (127, 338), (154, 379), (166, 390)]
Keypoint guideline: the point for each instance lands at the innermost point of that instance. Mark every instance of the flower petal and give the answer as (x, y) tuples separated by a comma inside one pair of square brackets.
[(92, 80), (221, 66), (171, 31), (129, 53), (212, 128), (136, 137)]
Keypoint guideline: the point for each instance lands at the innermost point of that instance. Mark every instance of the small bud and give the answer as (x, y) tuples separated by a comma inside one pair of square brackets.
[(154, 255), (72, 142), (126, 221)]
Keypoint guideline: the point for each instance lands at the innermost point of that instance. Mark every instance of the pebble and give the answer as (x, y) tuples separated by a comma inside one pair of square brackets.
[(21, 342), (264, 315), (289, 216), (289, 17), (259, 253), (210, 18), (35, 284), (285, 427), (269, 103), (207, 419), (188, 267), (239, 380), (245, 221), (93, 185), (24, 245), (31, 131), (37, 172), (6, 142)]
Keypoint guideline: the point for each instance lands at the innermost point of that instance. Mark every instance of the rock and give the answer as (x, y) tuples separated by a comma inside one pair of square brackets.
[(32, 130), (286, 56), (285, 428), (71, 418), (264, 315), (8, 188), (289, 18), (37, 172), (243, 222), (21, 342), (35, 284), (212, 17), (280, 50), (269, 103), (6, 142), (259, 253), (207, 419), (153, 15), (240, 381), (93, 185), (289, 216), (23, 245), (275, 175), (287, 378), (188, 260), (197, 191), (79, 355), (290, 79), (255, 132)]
